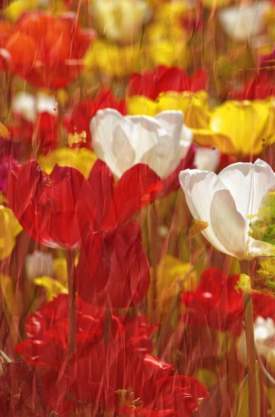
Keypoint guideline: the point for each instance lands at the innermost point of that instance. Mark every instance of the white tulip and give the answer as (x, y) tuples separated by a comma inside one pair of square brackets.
[(123, 141), (264, 336), (228, 203), (207, 158), (120, 20), (29, 106), (39, 264), (242, 22)]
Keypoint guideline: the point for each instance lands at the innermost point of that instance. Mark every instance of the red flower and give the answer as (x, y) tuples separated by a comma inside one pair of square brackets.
[(104, 204), (45, 205), (79, 117), (215, 303), (110, 369), (218, 303), (41, 135), (259, 87), (163, 79), (113, 268), (45, 50)]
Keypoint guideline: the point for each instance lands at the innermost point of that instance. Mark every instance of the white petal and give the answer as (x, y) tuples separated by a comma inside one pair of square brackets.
[(171, 121), (122, 151), (46, 104), (248, 184), (244, 21), (207, 158), (258, 248), (199, 188), (24, 104), (228, 224), (103, 126)]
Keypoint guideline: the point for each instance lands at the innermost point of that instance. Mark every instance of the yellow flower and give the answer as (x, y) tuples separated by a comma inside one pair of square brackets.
[(60, 269), (193, 105), (17, 7), (214, 4), (52, 287), (173, 276), (239, 127), (7, 291), (9, 229), (113, 60), (81, 159), (166, 44)]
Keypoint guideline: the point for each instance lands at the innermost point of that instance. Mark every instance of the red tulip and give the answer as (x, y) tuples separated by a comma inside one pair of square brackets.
[(45, 205), (79, 116), (104, 204), (41, 135), (219, 304), (113, 269), (215, 303), (164, 79), (111, 367), (45, 50), (259, 87)]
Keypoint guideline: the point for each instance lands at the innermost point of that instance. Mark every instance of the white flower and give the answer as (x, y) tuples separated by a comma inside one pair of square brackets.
[(207, 158), (123, 141), (120, 20), (241, 22), (39, 264), (227, 202), (28, 106), (264, 336)]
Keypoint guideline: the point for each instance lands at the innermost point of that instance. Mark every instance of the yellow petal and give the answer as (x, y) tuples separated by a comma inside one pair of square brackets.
[(112, 59), (60, 269), (16, 8), (193, 105), (9, 229), (81, 159), (213, 4), (238, 127), (51, 286), (173, 276), (4, 132), (141, 105), (8, 293)]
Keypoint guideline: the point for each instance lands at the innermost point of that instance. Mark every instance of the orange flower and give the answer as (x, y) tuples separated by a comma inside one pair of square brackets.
[(45, 50)]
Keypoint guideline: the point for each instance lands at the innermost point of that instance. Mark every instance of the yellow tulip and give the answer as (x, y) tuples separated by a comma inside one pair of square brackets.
[(8, 295), (173, 276), (239, 127), (193, 105), (166, 45), (81, 159), (16, 8), (113, 60), (60, 269), (9, 229), (52, 287), (215, 4)]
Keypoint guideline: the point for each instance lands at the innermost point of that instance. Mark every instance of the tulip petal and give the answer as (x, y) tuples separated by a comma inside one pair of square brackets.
[(136, 188), (258, 248), (199, 188), (228, 224), (248, 184)]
